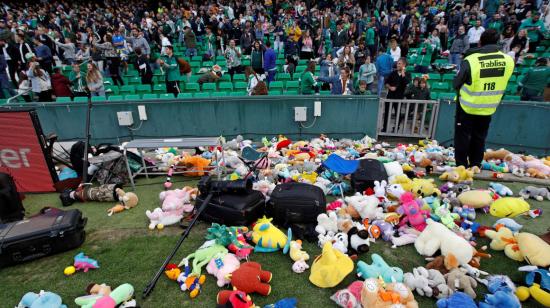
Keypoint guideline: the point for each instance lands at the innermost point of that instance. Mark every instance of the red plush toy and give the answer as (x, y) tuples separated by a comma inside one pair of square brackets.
[(234, 299), (250, 278)]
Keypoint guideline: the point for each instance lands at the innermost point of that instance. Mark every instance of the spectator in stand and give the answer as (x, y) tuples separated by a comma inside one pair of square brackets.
[(339, 38), (40, 81), (78, 80), (112, 56), (424, 59), (306, 51), (257, 57), (459, 47), (395, 51), (278, 36), (384, 64), (24, 88), (506, 38), (69, 50), (496, 23), (43, 55), (233, 57), (521, 39), (370, 37), (60, 84), (340, 85), (474, 34), (144, 69), (398, 80), (367, 71), (190, 41), (17, 55), (346, 59), (94, 81), (138, 41), (247, 39), (253, 79), (270, 62), (83, 53), (5, 84), (535, 30), (418, 90), (164, 42), (362, 88), (308, 84), (170, 65), (535, 81), (293, 33), (210, 41), (213, 75)]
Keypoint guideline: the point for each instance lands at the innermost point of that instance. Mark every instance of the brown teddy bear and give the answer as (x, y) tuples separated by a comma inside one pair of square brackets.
[(250, 278), (127, 200)]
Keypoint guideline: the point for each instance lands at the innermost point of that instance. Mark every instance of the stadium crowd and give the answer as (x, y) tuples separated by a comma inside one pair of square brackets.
[(53, 49)]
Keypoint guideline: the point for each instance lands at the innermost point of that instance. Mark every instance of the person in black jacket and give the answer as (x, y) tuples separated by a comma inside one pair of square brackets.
[(144, 68), (12, 58), (339, 38)]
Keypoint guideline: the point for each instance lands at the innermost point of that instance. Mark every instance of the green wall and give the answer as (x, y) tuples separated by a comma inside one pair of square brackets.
[(518, 126)]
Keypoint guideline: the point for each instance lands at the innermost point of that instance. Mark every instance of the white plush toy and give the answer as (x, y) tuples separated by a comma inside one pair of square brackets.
[(341, 242), (380, 189), (395, 191), (438, 237), (393, 169), (326, 223), (366, 206)]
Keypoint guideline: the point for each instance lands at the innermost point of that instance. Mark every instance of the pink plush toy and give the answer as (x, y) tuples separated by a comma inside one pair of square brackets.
[(334, 205), (413, 214), (241, 252), (222, 267), (160, 218), (349, 297), (176, 199)]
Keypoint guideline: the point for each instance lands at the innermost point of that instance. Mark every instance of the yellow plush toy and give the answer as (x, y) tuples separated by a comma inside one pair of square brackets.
[(476, 198), (504, 239), (508, 207), (458, 175), (424, 188), (534, 249), (330, 268), (269, 238), (405, 182)]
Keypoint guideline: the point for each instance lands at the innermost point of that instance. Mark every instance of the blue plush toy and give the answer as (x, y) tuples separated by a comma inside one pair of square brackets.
[(41, 300), (500, 189), (503, 296), (379, 268), (458, 299), (508, 223), (284, 303)]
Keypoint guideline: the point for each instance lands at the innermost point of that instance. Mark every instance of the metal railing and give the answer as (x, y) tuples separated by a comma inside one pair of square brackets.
[(407, 118), (17, 96)]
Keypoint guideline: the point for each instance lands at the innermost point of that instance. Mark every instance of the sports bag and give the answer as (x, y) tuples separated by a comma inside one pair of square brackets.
[(47, 233), (11, 208), (369, 170), (292, 203), (233, 209)]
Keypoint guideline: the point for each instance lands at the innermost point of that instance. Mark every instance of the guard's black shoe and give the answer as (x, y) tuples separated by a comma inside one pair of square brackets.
[(65, 197)]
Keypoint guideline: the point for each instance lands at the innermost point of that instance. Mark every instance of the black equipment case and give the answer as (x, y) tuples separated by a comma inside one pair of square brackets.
[(369, 171), (296, 203), (11, 208), (233, 209), (50, 232)]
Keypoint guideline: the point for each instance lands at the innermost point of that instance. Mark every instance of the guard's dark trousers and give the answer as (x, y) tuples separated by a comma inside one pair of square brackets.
[(470, 134)]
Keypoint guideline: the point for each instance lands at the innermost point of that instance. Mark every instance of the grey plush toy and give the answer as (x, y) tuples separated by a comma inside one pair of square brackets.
[(537, 193)]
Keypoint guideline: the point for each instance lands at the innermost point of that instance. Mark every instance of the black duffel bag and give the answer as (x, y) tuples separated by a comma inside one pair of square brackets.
[(369, 171), (11, 207), (296, 203), (233, 209)]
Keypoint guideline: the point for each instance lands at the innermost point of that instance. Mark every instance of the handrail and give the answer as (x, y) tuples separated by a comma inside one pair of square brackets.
[(18, 95)]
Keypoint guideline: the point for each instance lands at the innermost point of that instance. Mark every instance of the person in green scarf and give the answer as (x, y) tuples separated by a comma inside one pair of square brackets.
[(535, 30), (424, 59), (77, 77), (308, 85), (496, 24)]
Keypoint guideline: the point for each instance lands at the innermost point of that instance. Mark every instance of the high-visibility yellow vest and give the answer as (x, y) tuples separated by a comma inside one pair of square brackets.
[(490, 73)]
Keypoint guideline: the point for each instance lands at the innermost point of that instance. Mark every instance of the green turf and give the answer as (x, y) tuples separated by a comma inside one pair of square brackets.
[(128, 252)]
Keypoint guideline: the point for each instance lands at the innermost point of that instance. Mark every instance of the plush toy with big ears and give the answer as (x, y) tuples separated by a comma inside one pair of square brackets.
[(250, 278), (501, 294), (411, 209), (127, 201)]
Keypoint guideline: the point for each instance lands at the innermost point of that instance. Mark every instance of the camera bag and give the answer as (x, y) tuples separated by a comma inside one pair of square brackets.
[(296, 203), (233, 209)]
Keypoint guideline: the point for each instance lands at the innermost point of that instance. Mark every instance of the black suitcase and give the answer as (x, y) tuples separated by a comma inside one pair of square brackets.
[(369, 170), (293, 202), (50, 232), (11, 208), (233, 209)]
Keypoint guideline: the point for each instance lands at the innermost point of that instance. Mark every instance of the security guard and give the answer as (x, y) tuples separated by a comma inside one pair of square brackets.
[(480, 83)]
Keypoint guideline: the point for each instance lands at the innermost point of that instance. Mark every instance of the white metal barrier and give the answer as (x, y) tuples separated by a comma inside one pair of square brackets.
[(407, 118)]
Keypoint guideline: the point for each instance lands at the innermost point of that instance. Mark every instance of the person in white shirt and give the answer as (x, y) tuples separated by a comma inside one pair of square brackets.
[(164, 41), (474, 34), (395, 51)]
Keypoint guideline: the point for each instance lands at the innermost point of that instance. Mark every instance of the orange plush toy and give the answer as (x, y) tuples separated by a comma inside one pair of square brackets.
[(250, 278), (196, 163)]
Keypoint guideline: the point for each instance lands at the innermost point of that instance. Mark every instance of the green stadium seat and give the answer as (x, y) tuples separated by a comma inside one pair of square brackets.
[(283, 77), (127, 89), (414, 75), (300, 69), (528, 62), (513, 78), (116, 98), (150, 96), (195, 64), (292, 85), (131, 73), (441, 61), (276, 85), (220, 58), (194, 78), (275, 92), (324, 92), (511, 88), (440, 86), (245, 62), (209, 87), (434, 76), (513, 98), (207, 64), (132, 97), (219, 94), (291, 92), (225, 77), (63, 100), (107, 81), (192, 87), (143, 89), (158, 72), (159, 88), (97, 98), (185, 95), (239, 77), (165, 96), (240, 86), (238, 93), (134, 80), (112, 90), (196, 58), (434, 95), (80, 99), (302, 62), (202, 95), (447, 96), (448, 77), (225, 86)]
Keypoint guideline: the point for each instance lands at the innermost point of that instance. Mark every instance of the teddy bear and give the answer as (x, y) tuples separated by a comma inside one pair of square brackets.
[(365, 206), (220, 267), (427, 282), (442, 264), (500, 189), (500, 154), (411, 209), (504, 239), (250, 278), (424, 188), (404, 181), (327, 222), (532, 192), (127, 201), (458, 175), (458, 280), (438, 237), (196, 164)]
